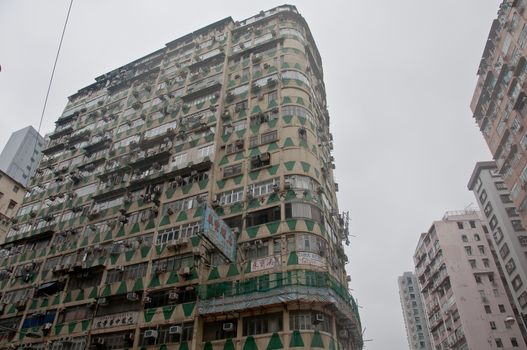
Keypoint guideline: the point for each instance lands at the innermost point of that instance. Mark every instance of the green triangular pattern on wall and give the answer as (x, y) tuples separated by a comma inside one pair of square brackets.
[(250, 344), (289, 165), (182, 216), (233, 270), (172, 278), (183, 345), (288, 143), (229, 345), (214, 273), (316, 341), (275, 342), (167, 311), (188, 308), (273, 227), (296, 340), (305, 166), (122, 288), (138, 285), (207, 346), (293, 259), (154, 282)]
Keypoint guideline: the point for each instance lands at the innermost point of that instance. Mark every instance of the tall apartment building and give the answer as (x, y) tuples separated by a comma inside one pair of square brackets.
[(466, 303), (20, 156), (187, 201), (414, 314), (509, 237), (11, 196)]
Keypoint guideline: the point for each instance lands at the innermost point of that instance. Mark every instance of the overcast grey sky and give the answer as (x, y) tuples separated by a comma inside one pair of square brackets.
[(399, 78)]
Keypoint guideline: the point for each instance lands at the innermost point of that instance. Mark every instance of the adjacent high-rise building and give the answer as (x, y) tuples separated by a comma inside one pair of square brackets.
[(187, 201), (20, 156), (466, 302), (509, 237), (413, 312), (11, 196), (499, 103)]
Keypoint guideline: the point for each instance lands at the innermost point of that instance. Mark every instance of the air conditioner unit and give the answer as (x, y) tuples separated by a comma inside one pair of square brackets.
[(228, 327), (175, 330), (150, 334), (173, 295), (47, 326), (102, 302), (147, 299), (319, 318), (66, 340), (184, 271), (119, 268), (288, 184), (196, 251), (98, 341), (132, 296)]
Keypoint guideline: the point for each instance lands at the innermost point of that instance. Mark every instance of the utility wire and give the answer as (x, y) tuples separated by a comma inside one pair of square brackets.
[(54, 67)]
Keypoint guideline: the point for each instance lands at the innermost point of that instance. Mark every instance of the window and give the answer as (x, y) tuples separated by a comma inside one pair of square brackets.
[(522, 240), (173, 263), (262, 324), (232, 196), (511, 212), (483, 197), (487, 309), (15, 188), (464, 238), (468, 250), (498, 235), (272, 96), (261, 161), (460, 225), (493, 222), (206, 151), (517, 283), (258, 251), (510, 266), (492, 325), (517, 225), (177, 232), (75, 313), (263, 216), (472, 224), (11, 205), (514, 342), (481, 249), (472, 263), (303, 210), (499, 344), (307, 320), (522, 299), (241, 106), (500, 185), (214, 330), (234, 147), (232, 170), (164, 336), (488, 209), (477, 278), (486, 263), (504, 251), (269, 137), (128, 272), (505, 198), (263, 188), (179, 159)]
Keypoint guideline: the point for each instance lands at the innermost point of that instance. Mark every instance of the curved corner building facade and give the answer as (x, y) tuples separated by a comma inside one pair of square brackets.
[(187, 201)]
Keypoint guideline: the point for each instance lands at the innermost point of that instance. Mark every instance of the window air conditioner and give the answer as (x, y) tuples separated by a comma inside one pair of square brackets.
[(228, 327)]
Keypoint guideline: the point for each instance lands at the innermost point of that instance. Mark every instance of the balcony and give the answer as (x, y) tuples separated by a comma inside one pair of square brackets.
[(98, 142), (155, 154)]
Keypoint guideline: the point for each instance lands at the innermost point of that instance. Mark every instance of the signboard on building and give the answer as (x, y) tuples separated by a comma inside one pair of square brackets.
[(218, 233), (115, 320), (306, 258), (266, 263)]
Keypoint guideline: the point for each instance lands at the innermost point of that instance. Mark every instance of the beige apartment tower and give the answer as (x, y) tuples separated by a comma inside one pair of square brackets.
[(187, 201), (11, 196), (466, 303), (499, 103)]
